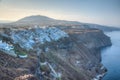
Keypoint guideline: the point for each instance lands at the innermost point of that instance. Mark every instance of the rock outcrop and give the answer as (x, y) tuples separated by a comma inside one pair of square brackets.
[(71, 54)]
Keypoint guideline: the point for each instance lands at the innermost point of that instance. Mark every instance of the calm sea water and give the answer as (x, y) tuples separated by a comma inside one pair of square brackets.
[(111, 57)]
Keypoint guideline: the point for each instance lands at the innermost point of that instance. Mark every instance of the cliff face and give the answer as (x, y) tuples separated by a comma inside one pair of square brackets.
[(74, 55), (84, 56)]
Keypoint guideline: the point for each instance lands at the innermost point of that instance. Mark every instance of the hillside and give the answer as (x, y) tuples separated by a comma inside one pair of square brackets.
[(42, 48), (72, 54), (46, 21), (30, 21)]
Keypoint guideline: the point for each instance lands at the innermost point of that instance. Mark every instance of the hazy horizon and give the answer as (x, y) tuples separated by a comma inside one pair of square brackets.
[(104, 12)]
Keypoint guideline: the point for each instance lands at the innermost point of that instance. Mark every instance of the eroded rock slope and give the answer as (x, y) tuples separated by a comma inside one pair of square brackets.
[(71, 54)]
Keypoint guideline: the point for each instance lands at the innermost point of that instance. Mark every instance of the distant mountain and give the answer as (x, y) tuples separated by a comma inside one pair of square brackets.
[(35, 19), (43, 20), (46, 21)]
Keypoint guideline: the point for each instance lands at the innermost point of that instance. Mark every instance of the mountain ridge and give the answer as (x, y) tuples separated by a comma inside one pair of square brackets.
[(44, 20), (47, 21)]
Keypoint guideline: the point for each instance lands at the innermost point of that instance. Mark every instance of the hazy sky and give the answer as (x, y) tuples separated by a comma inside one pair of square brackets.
[(105, 12)]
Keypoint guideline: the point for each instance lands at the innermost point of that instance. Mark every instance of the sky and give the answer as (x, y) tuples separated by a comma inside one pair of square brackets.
[(105, 12)]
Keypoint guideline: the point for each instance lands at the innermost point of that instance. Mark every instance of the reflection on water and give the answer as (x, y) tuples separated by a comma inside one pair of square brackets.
[(111, 57)]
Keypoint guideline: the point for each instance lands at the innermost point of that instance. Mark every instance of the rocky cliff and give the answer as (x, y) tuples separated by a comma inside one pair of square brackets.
[(51, 54)]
